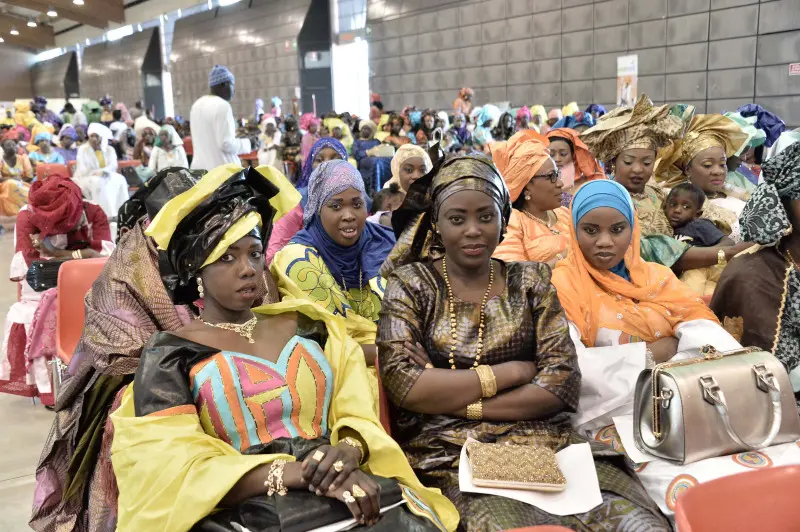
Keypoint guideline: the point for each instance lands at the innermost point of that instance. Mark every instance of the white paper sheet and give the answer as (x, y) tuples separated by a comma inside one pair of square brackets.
[(348, 524), (624, 425), (581, 494)]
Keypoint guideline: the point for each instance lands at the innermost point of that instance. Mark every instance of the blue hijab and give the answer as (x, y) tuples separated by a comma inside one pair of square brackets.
[(308, 164), (361, 261), (574, 120), (604, 193)]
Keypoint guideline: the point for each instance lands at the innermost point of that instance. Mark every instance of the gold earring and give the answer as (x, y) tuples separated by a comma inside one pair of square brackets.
[(200, 287)]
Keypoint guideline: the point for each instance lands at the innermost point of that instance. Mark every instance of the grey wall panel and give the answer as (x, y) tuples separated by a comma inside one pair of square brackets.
[(266, 29), (48, 77), (551, 51), (115, 68)]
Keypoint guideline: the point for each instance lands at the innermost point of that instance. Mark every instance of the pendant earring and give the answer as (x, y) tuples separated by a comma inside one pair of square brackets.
[(200, 287), (527, 197)]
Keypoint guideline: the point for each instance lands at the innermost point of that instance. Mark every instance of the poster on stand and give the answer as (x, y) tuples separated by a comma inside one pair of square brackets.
[(627, 72)]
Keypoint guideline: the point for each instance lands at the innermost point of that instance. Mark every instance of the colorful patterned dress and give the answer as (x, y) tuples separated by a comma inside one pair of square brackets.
[(526, 323), (197, 419)]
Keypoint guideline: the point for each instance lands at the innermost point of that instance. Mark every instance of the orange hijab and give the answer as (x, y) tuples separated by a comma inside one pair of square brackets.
[(585, 162), (648, 307), (519, 158)]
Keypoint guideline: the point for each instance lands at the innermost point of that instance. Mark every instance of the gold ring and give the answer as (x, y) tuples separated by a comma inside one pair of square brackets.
[(428, 366), (348, 497), (338, 466), (318, 456), (358, 492)]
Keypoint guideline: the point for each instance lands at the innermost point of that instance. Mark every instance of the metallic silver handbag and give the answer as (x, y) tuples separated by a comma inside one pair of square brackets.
[(682, 412)]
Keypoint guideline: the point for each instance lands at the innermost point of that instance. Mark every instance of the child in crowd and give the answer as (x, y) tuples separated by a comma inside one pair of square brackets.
[(684, 208), (384, 202)]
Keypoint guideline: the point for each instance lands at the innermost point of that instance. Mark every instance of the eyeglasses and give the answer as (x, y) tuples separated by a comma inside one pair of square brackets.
[(553, 177)]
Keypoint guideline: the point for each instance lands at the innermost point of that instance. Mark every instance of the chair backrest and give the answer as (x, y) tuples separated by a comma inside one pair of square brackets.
[(128, 164), (75, 278), (764, 499), (188, 147), (45, 170)]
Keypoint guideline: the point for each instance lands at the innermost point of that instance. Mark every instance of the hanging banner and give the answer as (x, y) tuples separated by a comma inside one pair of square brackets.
[(627, 73)]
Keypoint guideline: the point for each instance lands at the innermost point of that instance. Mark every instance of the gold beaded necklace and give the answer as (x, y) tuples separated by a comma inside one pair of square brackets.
[(551, 220), (482, 322), (245, 329)]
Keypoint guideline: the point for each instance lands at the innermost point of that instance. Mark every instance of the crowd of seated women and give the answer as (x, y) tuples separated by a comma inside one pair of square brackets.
[(235, 344)]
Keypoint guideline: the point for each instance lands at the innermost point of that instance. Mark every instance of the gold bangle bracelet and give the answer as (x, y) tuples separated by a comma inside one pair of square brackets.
[(352, 442), (488, 381), (721, 259), (475, 410)]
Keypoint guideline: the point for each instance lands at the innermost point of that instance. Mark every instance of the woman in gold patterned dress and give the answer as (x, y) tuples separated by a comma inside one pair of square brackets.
[(335, 260), (506, 320)]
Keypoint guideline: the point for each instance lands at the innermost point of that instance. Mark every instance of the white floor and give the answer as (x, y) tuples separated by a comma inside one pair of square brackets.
[(23, 427)]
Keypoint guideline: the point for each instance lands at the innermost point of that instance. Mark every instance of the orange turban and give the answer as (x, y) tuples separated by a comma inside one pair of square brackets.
[(519, 158), (585, 162)]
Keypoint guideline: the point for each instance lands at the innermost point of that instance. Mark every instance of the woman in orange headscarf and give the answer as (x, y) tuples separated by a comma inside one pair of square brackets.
[(623, 311), (539, 226), (573, 158)]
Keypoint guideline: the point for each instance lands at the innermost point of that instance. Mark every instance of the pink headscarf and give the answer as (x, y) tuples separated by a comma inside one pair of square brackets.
[(306, 119), (126, 116)]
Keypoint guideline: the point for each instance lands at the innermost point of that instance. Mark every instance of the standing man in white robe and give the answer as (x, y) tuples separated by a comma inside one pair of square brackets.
[(213, 126)]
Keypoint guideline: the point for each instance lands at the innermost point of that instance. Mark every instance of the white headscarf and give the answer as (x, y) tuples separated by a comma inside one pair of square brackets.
[(101, 131), (174, 138)]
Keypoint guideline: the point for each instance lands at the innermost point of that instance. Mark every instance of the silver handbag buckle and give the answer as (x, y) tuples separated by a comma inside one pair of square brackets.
[(711, 391), (764, 379), (666, 397)]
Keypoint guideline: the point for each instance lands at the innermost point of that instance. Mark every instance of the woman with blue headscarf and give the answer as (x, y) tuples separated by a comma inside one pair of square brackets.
[(325, 149), (580, 122), (624, 314), (46, 153), (335, 260)]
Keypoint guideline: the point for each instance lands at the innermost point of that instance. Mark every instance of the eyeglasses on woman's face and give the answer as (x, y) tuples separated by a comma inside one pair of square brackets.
[(553, 176)]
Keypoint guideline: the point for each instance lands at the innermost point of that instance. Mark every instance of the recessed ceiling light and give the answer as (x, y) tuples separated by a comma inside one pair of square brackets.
[(31, 23), (13, 31), (52, 12), (77, 2)]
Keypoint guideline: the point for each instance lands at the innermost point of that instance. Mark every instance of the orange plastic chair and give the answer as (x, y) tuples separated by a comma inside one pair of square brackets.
[(765, 499), (128, 164), (43, 170), (249, 159), (71, 165), (75, 278), (543, 528), (188, 147), (383, 403)]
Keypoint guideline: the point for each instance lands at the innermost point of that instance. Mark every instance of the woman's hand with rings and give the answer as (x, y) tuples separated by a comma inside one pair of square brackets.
[(362, 495), (418, 354), (328, 467)]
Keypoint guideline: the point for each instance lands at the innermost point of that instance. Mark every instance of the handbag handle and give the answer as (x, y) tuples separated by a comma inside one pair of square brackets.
[(766, 382)]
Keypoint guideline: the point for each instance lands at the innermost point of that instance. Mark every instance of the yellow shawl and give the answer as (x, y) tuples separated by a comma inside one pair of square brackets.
[(171, 473)]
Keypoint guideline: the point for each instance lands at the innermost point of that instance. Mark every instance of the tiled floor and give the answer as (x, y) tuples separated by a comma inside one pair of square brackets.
[(23, 427)]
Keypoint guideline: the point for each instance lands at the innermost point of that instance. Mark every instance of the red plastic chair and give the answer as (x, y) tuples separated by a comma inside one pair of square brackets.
[(383, 403), (765, 499), (128, 164), (43, 170), (71, 165), (75, 278), (188, 147)]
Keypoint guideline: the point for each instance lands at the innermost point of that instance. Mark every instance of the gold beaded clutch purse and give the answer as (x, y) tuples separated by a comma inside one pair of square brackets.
[(521, 467)]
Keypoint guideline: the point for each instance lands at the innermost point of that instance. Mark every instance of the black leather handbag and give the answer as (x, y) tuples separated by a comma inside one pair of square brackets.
[(43, 274)]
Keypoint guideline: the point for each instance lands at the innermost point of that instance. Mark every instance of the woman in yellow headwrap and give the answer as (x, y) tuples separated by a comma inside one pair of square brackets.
[(252, 419), (700, 156), (538, 229)]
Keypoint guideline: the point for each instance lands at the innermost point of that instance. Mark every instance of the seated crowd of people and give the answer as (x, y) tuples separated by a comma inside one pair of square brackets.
[(503, 275)]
